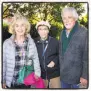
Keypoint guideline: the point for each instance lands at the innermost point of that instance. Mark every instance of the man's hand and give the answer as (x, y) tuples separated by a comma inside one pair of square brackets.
[(83, 81), (51, 64)]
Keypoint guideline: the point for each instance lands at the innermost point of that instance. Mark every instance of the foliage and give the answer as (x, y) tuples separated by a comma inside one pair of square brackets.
[(51, 11), (5, 25), (84, 20)]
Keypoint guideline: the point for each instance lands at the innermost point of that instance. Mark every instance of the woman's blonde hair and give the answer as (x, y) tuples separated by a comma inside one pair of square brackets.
[(16, 17)]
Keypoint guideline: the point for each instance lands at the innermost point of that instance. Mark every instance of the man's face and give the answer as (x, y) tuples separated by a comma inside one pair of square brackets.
[(68, 20), (43, 31)]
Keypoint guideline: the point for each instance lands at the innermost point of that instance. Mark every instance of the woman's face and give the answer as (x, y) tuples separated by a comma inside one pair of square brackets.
[(68, 20), (20, 28), (43, 31)]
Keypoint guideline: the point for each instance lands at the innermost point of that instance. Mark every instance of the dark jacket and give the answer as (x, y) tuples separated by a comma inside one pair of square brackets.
[(74, 62), (51, 54)]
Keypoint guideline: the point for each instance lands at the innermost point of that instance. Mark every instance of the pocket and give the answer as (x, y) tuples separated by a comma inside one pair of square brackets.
[(51, 70)]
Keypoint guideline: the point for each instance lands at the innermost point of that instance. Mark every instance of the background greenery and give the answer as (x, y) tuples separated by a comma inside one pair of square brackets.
[(51, 11)]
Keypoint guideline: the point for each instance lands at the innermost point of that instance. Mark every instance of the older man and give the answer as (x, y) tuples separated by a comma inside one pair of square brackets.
[(73, 52)]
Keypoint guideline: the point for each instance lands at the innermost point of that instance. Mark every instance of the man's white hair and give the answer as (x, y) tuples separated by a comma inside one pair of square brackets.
[(71, 10)]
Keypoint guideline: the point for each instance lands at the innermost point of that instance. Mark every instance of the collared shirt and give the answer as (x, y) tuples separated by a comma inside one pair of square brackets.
[(67, 33), (20, 58)]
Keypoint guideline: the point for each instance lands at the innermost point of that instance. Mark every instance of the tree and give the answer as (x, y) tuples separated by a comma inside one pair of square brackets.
[(36, 11), (84, 20)]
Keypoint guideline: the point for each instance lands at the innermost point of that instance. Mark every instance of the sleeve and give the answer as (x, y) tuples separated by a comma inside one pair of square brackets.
[(36, 62), (85, 58), (56, 59), (60, 48), (4, 63)]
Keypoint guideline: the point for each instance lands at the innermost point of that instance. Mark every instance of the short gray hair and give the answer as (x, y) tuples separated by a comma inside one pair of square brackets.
[(72, 10)]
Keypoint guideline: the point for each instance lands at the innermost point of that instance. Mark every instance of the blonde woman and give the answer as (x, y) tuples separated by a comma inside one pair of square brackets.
[(19, 47)]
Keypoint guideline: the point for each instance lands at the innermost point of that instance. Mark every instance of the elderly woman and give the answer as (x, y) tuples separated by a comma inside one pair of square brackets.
[(48, 51), (73, 51), (18, 50)]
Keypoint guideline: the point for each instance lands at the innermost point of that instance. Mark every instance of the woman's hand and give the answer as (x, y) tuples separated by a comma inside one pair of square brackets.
[(51, 64), (4, 85), (36, 77)]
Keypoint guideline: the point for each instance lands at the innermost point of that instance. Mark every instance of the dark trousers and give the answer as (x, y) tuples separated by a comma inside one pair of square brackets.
[(22, 86), (66, 85)]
